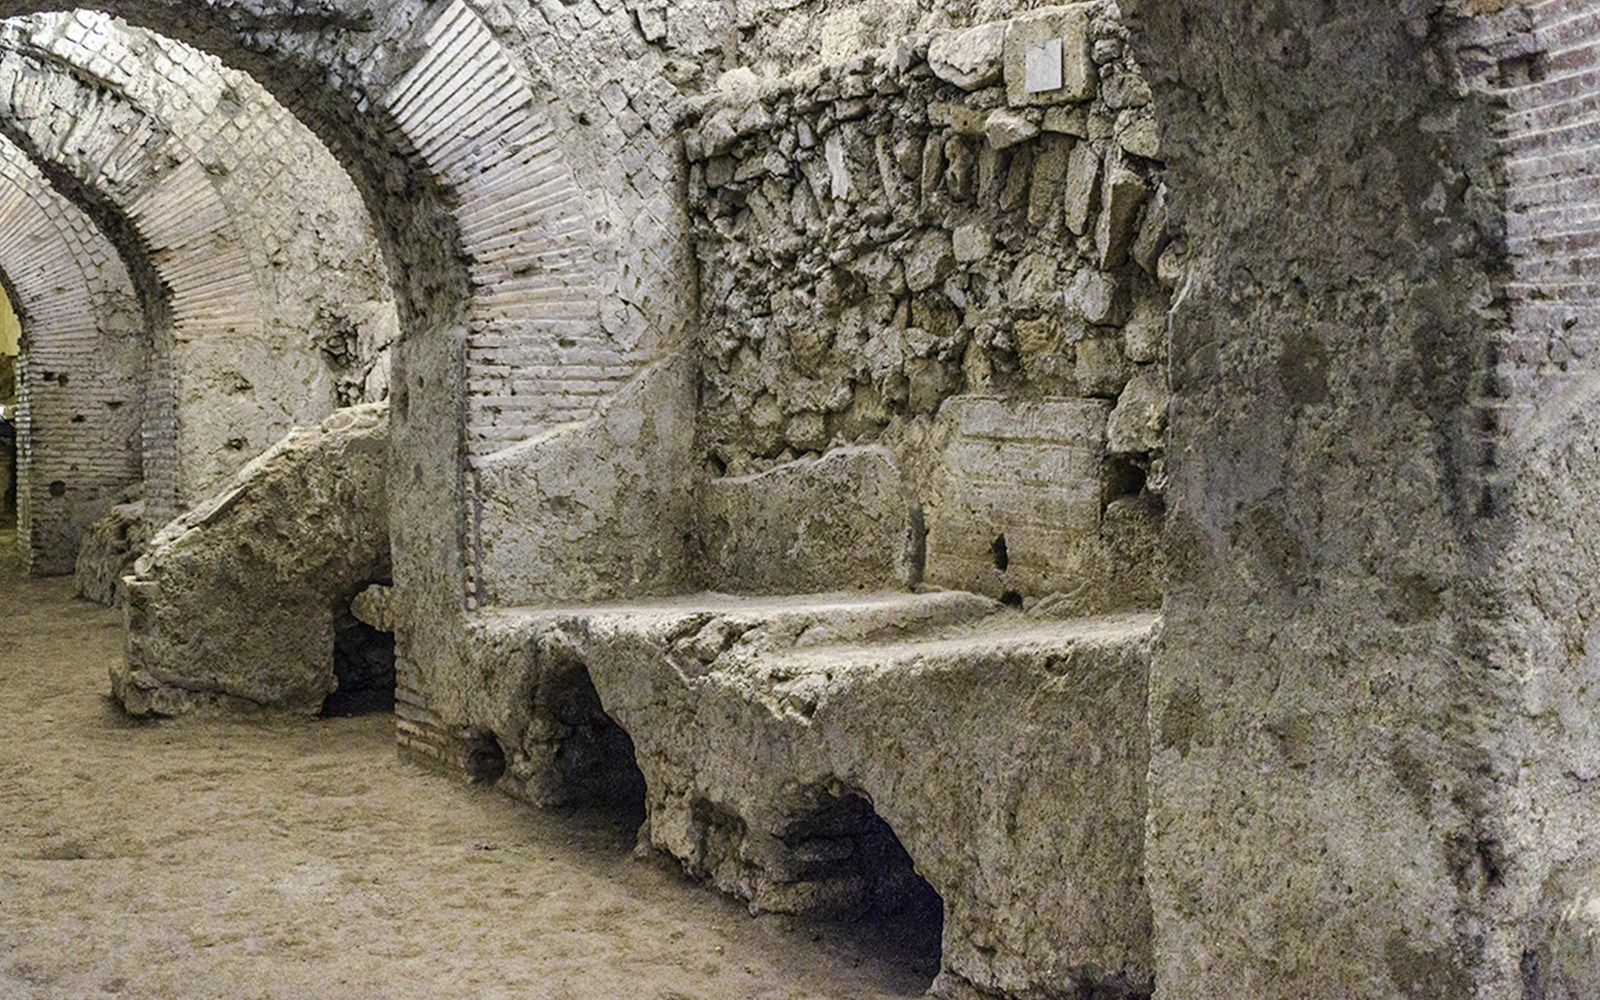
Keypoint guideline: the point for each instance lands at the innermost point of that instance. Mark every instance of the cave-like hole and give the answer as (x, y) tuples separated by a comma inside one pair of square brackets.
[(1122, 477), (595, 759), (843, 863), (483, 758), (363, 667), (1002, 553)]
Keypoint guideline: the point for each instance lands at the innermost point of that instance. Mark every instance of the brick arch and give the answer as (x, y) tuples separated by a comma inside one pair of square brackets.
[(488, 230), (122, 159), (229, 209), (81, 383), (452, 104)]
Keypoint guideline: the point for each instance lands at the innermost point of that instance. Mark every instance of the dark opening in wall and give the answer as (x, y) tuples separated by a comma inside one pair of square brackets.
[(595, 758), (842, 862), (363, 665), (483, 757), (1122, 477)]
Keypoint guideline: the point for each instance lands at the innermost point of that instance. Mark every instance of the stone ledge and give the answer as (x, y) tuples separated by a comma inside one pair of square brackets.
[(1006, 752)]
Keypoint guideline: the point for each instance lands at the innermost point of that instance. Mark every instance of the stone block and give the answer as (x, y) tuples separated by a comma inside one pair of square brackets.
[(841, 522), (930, 260), (1145, 335), (1123, 195), (232, 606), (109, 550), (972, 243), (1101, 369), (1048, 58), (970, 59), (1016, 502), (1005, 128), (1081, 191), (1099, 299), (1138, 425)]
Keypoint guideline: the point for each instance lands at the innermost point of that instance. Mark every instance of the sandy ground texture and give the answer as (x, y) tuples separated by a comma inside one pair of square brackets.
[(289, 859)]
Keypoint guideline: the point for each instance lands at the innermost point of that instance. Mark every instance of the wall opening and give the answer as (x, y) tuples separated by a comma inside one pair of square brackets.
[(595, 759), (10, 348), (842, 862), (363, 666)]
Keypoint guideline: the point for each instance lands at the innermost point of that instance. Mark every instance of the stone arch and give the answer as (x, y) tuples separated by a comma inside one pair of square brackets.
[(242, 366), (83, 365), (456, 122)]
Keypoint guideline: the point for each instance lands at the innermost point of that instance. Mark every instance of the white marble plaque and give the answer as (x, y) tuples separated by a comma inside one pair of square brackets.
[(1044, 67)]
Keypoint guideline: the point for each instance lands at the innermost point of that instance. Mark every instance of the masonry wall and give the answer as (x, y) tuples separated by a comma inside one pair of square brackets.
[(907, 249), (1339, 767), (1543, 60), (82, 366), (278, 297)]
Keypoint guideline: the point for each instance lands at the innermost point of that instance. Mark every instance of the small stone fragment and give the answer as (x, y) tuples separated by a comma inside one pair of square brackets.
[(1036, 282), (1098, 298), (1101, 369), (1137, 134), (1006, 128), (930, 261), (972, 243), (1144, 338)]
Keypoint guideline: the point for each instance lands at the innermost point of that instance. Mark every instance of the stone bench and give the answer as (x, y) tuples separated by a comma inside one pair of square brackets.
[(776, 735)]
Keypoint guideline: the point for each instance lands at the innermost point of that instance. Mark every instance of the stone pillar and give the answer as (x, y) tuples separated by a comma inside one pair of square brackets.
[(1345, 791)]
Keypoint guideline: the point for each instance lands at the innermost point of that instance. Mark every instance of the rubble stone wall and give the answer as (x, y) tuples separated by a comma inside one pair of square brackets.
[(910, 249)]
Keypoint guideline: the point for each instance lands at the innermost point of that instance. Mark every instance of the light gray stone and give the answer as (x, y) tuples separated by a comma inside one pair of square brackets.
[(232, 606), (1082, 189), (972, 242), (929, 261), (1101, 369), (1139, 423), (970, 59), (1005, 129), (1048, 59)]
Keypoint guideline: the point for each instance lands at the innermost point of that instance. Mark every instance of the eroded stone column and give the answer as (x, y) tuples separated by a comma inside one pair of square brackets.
[(1333, 808)]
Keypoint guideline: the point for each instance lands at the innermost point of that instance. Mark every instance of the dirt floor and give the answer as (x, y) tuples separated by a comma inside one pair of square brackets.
[(289, 859)]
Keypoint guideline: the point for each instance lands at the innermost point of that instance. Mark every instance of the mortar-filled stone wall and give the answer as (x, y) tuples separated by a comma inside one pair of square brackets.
[(911, 249)]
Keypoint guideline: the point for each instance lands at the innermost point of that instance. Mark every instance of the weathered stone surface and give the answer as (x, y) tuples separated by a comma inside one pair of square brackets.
[(970, 59), (1017, 505), (1101, 369), (1082, 189), (929, 261), (233, 605), (842, 522), (108, 553), (1005, 129), (1138, 425), (1006, 754), (375, 607), (612, 498), (1124, 194), (1099, 298), (1036, 41)]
